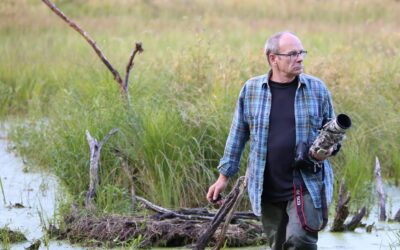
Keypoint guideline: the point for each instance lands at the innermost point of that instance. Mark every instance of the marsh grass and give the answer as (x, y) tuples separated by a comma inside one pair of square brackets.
[(8, 237), (184, 87)]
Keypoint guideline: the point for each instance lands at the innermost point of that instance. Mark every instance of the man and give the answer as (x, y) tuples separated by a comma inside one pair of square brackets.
[(277, 112)]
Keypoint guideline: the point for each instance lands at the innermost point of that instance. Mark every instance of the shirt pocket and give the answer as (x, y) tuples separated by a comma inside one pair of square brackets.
[(315, 126)]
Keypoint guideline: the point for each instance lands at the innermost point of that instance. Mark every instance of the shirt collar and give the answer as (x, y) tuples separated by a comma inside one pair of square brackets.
[(302, 80)]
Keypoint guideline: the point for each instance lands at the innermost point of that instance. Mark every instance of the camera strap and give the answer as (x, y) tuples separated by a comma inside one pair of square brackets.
[(299, 202)]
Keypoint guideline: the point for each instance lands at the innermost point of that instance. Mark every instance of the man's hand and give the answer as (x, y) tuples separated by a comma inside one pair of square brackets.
[(322, 157), (216, 188)]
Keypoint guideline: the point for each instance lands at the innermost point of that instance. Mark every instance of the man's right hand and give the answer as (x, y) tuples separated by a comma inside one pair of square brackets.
[(216, 188)]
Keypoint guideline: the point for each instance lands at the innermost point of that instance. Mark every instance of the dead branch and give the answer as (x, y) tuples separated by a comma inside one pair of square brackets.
[(204, 211), (228, 219), (170, 213), (342, 212), (129, 66), (92, 43), (219, 217), (190, 213), (355, 221), (138, 48), (342, 209), (95, 148), (381, 192)]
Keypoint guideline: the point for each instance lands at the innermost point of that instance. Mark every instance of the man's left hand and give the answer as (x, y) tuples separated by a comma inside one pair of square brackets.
[(321, 157)]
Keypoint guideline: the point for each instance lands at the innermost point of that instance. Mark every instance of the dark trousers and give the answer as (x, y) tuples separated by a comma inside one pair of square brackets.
[(283, 228)]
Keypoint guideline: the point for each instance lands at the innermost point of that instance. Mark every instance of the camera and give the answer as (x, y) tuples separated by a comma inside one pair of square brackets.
[(303, 160), (331, 134)]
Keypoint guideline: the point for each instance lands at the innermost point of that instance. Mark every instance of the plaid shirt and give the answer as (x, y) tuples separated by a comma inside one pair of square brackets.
[(313, 107)]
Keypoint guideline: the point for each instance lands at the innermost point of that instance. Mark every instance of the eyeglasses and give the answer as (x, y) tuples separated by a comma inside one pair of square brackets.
[(294, 55)]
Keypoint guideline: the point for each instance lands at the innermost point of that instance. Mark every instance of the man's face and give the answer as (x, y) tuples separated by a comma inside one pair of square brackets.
[(289, 60)]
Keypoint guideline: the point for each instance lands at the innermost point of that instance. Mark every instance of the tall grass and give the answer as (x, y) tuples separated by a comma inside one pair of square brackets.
[(184, 87)]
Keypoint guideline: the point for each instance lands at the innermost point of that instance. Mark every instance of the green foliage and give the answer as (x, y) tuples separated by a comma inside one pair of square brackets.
[(184, 87)]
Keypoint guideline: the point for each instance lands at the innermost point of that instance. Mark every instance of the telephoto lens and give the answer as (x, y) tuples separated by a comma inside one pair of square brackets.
[(331, 134)]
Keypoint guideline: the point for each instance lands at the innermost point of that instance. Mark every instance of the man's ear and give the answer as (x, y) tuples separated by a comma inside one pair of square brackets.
[(272, 58)]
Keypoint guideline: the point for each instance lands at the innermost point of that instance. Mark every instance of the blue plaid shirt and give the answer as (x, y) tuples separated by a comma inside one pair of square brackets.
[(313, 106)]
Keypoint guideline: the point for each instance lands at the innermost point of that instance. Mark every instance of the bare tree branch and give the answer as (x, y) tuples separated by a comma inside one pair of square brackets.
[(92, 43), (112, 131), (138, 48), (129, 66)]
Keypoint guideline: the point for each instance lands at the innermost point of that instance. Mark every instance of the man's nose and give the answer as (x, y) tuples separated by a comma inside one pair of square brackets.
[(300, 58)]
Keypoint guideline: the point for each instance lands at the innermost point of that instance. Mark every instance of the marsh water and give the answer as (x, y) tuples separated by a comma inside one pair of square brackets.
[(30, 201)]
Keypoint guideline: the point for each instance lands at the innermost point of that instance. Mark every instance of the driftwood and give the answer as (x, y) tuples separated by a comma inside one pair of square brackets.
[(95, 149), (381, 192), (123, 84), (342, 212)]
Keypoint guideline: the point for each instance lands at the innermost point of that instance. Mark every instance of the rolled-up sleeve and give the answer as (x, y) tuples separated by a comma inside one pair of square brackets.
[(238, 136)]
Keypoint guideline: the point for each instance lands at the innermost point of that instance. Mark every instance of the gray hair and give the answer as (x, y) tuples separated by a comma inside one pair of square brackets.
[(272, 44)]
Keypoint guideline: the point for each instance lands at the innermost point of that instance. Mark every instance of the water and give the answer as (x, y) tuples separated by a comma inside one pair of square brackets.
[(384, 235), (39, 193)]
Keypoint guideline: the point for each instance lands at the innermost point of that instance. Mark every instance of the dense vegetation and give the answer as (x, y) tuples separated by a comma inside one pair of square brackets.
[(184, 87)]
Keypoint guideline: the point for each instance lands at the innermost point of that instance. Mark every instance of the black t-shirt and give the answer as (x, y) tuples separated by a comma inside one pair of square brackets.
[(278, 174)]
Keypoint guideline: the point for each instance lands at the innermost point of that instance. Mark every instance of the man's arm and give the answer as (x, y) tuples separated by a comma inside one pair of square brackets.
[(238, 136), (328, 114)]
